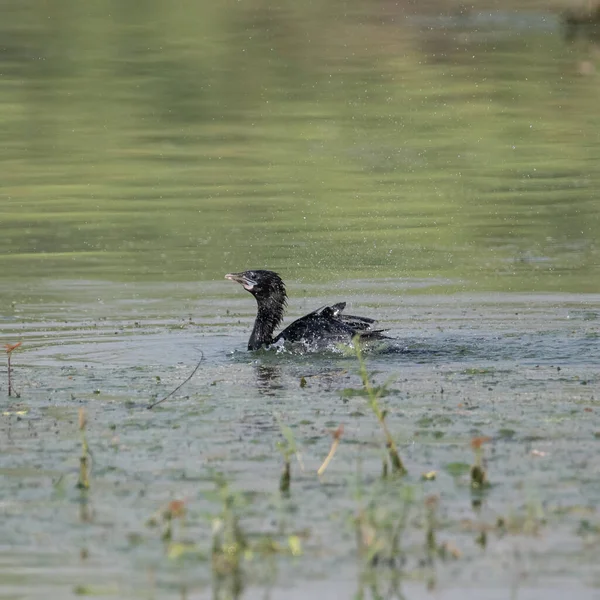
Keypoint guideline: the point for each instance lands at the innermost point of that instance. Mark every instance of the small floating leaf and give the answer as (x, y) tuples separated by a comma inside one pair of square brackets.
[(177, 550), (295, 545), (457, 469), (175, 509), (477, 442), (506, 433), (11, 347), (478, 476)]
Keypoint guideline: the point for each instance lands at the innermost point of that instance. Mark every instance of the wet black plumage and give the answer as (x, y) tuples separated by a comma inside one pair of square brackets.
[(321, 328)]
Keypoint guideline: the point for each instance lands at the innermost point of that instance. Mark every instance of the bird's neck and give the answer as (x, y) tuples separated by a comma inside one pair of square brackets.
[(268, 317)]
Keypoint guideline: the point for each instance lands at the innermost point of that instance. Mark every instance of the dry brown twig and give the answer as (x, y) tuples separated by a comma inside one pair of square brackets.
[(337, 434)]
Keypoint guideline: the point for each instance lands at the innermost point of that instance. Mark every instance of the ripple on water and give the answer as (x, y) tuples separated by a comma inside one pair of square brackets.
[(521, 370)]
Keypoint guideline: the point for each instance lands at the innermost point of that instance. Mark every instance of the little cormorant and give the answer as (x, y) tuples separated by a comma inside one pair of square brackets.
[(322, 328)]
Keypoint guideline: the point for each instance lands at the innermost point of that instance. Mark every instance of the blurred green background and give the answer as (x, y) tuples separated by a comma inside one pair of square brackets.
[(152, 140)]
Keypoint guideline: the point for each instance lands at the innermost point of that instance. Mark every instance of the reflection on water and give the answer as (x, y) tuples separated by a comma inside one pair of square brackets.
[(386, 140), (268, 379)]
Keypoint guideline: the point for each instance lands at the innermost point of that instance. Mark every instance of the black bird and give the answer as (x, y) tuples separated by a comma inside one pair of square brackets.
[(320, 329)]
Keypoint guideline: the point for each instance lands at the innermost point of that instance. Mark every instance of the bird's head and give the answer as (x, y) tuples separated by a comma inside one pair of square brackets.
[(260, 283)]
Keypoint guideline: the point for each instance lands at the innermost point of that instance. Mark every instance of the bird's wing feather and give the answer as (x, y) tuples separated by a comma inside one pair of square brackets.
[(329, 321)]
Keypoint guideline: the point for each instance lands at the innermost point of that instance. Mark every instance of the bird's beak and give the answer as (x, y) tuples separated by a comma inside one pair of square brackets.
[(243, 279)]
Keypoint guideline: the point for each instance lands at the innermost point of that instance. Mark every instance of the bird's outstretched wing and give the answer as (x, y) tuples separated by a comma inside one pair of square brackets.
[(329, 325)]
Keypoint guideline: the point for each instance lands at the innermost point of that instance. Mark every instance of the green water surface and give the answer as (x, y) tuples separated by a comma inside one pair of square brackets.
[(153, 142), (434, 164)]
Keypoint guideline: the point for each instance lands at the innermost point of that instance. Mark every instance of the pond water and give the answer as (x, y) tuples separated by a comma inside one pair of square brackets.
[(434, 166), (521, 369)]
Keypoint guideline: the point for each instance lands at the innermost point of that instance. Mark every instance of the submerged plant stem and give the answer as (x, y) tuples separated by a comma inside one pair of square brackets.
[(286, 478), (9, 379), (9, 350), (84, 475), (373, 400)]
